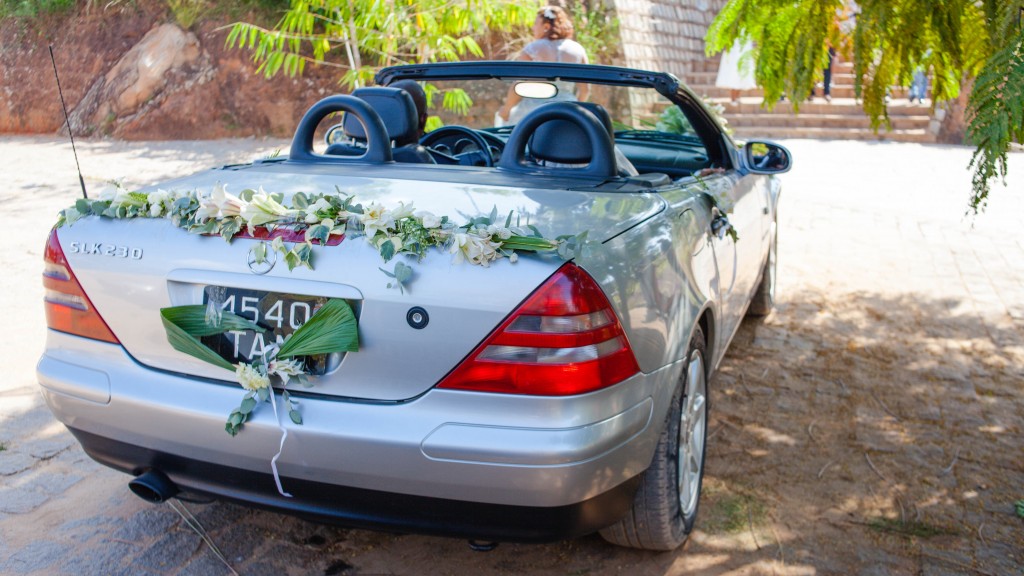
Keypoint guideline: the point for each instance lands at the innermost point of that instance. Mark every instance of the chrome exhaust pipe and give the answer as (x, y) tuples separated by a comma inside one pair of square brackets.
[(153, 486), (482, 545)]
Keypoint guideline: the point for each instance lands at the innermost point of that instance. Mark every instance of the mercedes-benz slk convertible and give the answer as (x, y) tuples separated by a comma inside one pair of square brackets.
[(502, 333)]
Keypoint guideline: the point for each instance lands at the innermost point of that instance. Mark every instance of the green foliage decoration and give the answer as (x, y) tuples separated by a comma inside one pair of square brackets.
[(955, 41)]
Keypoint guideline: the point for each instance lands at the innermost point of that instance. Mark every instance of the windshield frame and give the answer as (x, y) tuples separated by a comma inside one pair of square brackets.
[(717, 142)]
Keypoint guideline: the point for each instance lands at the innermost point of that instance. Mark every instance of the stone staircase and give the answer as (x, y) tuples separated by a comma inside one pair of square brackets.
[(842, 118)]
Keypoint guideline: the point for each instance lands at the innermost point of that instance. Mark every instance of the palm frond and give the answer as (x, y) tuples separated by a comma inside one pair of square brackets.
[(332, 329), (995, 115)]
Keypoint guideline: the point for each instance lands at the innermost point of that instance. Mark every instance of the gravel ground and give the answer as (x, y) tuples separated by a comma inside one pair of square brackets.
[(871, 425)]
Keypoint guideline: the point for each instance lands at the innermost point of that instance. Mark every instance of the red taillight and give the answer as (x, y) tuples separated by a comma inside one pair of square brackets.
[(564, 339), (68, 309)]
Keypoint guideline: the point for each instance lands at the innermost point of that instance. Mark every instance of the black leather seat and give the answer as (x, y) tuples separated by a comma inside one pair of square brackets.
[(560, 142), (396, 108)]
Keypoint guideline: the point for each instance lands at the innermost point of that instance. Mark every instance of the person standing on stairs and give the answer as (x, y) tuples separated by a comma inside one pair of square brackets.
[(736, 70)]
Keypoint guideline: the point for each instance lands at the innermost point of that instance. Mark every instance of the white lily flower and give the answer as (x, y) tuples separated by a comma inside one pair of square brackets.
[(228, 205), (158, 201), (376, 218), (123, 197), (286, 369), (403, 211), (428, 220), (474, 249), (108, 194), (320, 205), (263, 209), (250, 377)]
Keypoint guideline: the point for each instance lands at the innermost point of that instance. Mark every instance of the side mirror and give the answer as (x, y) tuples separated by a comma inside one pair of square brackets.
[(763, 157), (334, 134)]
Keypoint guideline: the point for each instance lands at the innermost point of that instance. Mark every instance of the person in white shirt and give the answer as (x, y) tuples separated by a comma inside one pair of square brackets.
[(552, 33)]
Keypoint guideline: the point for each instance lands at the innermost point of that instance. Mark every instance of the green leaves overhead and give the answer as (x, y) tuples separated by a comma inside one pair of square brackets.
[(358, 36), (954, 41), (996, 117)]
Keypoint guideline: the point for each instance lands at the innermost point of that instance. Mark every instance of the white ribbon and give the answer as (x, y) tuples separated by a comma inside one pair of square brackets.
[(284, 436)]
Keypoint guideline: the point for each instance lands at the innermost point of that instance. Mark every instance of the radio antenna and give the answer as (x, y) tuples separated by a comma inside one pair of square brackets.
[(81, 180)]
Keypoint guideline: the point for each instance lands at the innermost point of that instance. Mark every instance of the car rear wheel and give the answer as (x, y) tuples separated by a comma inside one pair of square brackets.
[(764, 299), (665, 506)]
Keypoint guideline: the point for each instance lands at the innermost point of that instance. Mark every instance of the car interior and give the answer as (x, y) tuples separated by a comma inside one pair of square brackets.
[(561, 137)]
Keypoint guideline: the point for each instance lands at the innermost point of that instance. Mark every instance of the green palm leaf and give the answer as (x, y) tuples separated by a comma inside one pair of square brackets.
[(193, 320), (182, 341), (332, 329)]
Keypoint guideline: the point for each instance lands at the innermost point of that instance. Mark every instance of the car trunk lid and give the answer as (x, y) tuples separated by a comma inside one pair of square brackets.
[(398, 358)]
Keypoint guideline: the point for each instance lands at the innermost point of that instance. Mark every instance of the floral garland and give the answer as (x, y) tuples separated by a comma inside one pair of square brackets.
[(401, 230)]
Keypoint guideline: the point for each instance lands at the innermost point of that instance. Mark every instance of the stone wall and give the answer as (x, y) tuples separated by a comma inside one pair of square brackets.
[(666, 35)]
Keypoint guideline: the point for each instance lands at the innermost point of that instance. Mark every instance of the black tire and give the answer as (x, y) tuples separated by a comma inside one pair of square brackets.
[(764, 298), (657, 520)]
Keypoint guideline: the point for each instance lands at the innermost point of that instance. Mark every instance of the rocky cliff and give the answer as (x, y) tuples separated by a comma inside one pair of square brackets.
[(130, 72)]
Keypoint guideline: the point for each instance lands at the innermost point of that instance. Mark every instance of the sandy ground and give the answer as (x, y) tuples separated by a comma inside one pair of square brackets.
[(871, 425)]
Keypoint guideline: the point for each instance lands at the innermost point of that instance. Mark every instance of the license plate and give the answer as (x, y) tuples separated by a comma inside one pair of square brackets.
[(279, 314)]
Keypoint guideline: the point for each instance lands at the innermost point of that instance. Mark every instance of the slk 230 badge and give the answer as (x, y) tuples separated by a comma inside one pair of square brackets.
[(102, 249)]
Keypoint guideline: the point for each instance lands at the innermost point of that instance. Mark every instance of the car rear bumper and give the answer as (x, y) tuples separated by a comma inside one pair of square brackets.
[(569, 462), (372, 509)]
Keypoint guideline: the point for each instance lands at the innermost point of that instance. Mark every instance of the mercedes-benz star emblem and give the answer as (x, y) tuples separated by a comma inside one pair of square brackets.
[(264, 265)]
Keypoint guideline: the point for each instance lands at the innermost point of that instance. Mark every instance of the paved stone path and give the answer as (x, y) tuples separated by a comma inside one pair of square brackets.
[(879, 220)]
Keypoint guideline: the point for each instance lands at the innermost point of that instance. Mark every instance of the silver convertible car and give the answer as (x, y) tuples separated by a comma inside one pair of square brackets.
[(500, 333)]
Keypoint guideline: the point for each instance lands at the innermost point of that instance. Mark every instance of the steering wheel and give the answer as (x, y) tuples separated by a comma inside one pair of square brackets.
[(453, 132)]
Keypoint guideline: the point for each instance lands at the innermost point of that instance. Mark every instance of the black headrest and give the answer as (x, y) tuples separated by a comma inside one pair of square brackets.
[(395, 108), (564, 142)]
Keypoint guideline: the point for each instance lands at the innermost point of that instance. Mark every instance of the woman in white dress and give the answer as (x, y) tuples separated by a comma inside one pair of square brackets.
[(552, 33), (735, 70)]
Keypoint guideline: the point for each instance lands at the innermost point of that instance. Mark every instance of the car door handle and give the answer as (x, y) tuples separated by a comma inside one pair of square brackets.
[(720, 226)]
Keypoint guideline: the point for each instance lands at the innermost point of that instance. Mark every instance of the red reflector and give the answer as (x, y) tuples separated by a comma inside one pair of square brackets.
[(563, 340), (68, 309)]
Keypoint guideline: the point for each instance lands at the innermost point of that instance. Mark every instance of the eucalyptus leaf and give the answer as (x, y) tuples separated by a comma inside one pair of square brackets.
[(264, 394), (403, 272), (295, 416), (247, 406), (332, 329)]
